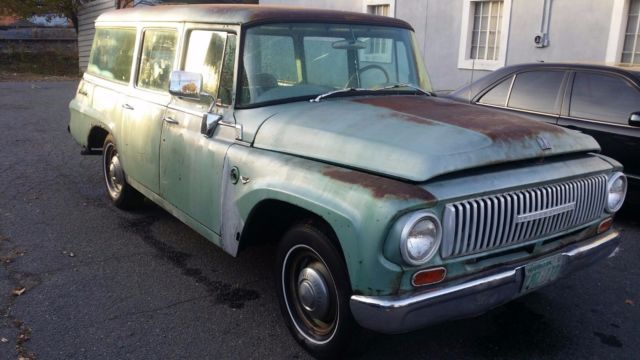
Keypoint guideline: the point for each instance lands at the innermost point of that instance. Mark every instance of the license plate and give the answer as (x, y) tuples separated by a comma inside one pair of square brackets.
[(542, 272)]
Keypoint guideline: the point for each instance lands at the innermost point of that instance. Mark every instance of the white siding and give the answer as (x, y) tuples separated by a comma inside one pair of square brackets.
[(86, 17), (579, 31)]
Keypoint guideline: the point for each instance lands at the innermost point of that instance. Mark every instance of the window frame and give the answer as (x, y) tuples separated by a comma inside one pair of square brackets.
[(617, 30), (464, 52), (140, 48), (560, 96), (195, 106)]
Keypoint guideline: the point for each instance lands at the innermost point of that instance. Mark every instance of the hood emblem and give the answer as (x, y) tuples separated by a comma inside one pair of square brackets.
[(544, 143)]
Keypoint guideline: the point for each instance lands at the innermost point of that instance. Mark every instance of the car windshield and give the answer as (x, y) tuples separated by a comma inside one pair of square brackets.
[(287, 62)]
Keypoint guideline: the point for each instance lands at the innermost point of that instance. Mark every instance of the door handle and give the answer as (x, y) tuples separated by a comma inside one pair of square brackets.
[(127, 107), (83, 92), (171, 120)]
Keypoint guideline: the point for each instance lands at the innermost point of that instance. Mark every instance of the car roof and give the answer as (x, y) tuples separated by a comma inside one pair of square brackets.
[(244, 15), (469, 91), (622, 69)]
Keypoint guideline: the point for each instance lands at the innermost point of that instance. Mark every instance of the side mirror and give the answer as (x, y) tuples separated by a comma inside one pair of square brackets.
[(209, 123), (185, 84), (634, 119)]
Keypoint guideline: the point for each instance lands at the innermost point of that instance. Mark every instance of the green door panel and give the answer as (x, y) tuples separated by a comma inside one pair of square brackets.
[(191, 166)]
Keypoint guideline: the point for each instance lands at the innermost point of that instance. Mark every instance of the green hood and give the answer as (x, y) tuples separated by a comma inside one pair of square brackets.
[(411, 137)]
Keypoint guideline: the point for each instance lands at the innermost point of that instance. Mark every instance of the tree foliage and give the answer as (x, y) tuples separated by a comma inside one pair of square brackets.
[(28, 8)]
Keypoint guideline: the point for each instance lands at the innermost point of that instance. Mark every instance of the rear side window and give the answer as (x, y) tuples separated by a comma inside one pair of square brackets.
[(497, 95), (112, 54), (156, 63), (537, 91), (604, 98)]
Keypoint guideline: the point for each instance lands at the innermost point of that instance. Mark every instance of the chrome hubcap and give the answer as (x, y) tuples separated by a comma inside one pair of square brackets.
[(113, 174), (310, 294), (313, 293)]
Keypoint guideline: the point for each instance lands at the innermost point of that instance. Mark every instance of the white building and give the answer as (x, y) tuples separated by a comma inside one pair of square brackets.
[(458, 36)]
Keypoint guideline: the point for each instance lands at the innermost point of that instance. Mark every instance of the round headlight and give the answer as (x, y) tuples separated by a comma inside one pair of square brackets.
[(420, 239), (616, 191)]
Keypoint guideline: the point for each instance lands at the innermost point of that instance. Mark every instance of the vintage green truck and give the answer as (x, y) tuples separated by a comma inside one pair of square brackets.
[(392, 209)]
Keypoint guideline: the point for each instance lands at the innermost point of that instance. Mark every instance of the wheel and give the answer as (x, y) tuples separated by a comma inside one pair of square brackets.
[(120, 192), (314, 290)]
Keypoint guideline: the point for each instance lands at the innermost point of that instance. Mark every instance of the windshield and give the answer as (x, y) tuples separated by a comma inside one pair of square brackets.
[(294, 61)]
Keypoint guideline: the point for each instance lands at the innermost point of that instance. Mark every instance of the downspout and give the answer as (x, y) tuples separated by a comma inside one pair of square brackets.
[(543, 40)]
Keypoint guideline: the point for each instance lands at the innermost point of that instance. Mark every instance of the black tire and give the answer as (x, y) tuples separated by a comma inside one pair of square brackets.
[(323, 325), (122, 195)]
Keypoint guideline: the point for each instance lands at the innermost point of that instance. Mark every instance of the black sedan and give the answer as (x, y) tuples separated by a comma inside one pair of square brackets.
[(601, 101)]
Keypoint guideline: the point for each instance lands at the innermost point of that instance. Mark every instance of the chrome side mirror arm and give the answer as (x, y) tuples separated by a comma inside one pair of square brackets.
[(209, 123), (634, 119)]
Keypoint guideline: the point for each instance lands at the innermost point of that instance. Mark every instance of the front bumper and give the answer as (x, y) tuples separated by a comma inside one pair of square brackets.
[(469, 297)]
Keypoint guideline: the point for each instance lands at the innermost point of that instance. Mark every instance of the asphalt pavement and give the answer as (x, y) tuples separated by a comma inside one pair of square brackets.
[(80, 279)]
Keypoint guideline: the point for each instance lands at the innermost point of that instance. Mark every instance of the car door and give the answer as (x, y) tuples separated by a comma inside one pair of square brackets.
[(534, 94), (145, 107), (190, 163), (600, 105)]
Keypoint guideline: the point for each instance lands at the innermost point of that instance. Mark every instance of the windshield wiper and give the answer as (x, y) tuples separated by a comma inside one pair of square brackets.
[(351, 89), (339, 91), (401, 85)]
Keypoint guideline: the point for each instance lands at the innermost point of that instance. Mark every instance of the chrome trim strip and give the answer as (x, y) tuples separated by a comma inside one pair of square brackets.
[(487, 282)]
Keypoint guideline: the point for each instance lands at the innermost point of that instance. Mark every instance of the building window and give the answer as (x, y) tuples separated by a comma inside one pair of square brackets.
[(379, 7), (486, 30), (484, 34), (631, 47), (382, 10)]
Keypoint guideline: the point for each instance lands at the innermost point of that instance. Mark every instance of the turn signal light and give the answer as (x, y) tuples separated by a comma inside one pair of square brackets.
[(427, 277), (605, 225)]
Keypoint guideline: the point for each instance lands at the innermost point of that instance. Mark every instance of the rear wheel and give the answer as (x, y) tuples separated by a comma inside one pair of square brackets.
[(120, 192), (314, 290)]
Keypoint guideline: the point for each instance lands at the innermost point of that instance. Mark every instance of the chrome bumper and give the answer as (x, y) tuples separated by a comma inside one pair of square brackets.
[(397, 314)]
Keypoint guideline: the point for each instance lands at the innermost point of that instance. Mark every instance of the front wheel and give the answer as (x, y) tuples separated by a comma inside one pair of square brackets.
[(120, 192), (314, 290)]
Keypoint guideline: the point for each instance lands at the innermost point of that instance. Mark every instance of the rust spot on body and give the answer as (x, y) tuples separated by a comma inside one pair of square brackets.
[(492, 123), (380, 187)]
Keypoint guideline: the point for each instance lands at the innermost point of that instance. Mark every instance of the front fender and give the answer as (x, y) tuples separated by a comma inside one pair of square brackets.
[(359, 207)]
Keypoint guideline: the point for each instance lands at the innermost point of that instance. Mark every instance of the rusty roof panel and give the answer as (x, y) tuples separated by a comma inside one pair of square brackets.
[(245, 15)]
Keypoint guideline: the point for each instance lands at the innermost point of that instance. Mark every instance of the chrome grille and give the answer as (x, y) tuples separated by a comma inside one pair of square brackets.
[(495, 221)]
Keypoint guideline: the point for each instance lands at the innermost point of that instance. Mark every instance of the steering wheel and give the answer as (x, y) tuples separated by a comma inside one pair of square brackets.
[(367, 68), (376, 67)]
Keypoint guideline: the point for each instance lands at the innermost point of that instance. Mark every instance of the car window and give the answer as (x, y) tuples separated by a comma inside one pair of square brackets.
[(498, 95), (283, 67), (603, 97), (112, 54), (205, 52), (156, 63), (537, 91)]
